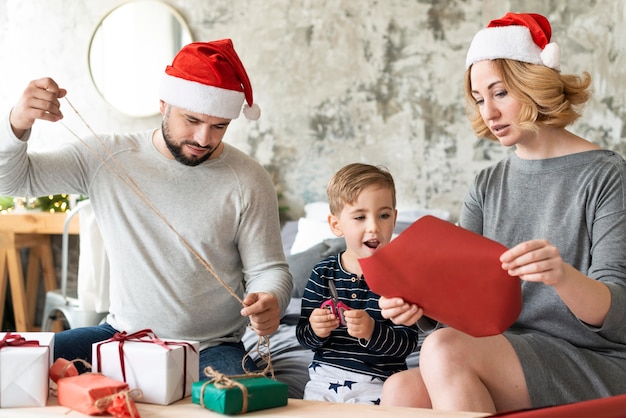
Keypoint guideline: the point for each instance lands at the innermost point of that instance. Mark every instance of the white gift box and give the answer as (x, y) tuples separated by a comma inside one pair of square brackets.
[(24, 369), (162, 369)]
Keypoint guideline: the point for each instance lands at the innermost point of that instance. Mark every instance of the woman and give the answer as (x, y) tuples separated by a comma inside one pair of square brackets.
[(558, 203)]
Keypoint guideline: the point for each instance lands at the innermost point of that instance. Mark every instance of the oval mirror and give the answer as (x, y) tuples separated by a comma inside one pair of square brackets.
[(129, 51)]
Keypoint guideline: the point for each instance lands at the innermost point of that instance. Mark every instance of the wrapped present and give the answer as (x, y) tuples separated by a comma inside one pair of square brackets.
[(25, 359), (238, 394), (163, 370), (92, 393), (82, 393)]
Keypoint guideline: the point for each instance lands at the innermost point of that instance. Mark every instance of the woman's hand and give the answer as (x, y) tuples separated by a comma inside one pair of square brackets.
[(535, 261), (539, 261)]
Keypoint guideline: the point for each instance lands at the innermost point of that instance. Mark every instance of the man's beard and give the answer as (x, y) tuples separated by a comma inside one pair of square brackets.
[(177, 150)]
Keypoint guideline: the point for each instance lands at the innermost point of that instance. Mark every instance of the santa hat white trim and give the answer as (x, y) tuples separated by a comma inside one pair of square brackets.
[(511, 42), (201, 98)]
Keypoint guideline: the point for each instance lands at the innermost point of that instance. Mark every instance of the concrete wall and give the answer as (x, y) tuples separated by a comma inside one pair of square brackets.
[(337, 80)]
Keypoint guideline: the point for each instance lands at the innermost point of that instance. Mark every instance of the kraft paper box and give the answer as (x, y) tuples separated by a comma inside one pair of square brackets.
[(24, 368), (163, 371), (81, 393), (263, 393)]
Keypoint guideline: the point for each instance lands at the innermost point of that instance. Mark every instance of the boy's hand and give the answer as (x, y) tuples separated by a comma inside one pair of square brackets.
[(399, 311), (323, 322), (359, 323)]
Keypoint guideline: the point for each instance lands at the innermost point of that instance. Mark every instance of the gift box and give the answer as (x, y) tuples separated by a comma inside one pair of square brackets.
[(86, 392), (240, 394), (25, 359), (163, 370)]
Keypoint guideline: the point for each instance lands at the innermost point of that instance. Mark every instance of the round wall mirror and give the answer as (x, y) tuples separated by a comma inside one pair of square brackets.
[(129, 51)]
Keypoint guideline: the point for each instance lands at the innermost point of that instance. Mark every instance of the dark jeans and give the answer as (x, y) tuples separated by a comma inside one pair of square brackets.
[(76, 344)]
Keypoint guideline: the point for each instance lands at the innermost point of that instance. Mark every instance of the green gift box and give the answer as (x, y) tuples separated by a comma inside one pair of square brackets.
[(227, 395)]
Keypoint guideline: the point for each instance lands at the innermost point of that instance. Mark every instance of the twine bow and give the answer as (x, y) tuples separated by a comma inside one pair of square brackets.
[(120, 404)]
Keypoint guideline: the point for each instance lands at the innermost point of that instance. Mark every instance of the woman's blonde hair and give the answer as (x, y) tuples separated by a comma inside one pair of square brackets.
[(548, 97), (347, 183)]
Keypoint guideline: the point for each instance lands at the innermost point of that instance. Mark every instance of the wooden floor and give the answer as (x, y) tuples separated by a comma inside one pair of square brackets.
[(295, 408)]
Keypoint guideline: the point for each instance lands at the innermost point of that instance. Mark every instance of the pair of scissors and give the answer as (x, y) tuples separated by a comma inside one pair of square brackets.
[(334, 305)]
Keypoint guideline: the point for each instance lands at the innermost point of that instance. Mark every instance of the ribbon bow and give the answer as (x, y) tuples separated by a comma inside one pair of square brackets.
[(16, 340)]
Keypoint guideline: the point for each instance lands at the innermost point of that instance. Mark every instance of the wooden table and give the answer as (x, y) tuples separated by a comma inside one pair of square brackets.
[(32, 230), (295, 408)]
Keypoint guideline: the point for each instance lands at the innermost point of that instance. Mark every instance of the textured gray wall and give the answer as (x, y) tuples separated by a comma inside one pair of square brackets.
[(337, 81)]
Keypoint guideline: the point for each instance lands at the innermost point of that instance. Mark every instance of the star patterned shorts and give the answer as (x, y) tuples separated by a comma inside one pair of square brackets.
[(332, 384)]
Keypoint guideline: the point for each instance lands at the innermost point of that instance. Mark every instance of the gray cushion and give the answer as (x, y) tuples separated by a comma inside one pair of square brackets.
[(288, 235), (301, 264)]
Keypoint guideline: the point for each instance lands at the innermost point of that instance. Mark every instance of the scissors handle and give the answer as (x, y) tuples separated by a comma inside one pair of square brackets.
[(336, 309)]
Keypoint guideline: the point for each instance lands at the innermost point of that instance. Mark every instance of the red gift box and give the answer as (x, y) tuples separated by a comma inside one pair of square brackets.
[(88, 393)]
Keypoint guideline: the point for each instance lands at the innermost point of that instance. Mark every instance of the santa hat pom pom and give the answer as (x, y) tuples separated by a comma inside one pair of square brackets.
[(551, 56), (252, 112)]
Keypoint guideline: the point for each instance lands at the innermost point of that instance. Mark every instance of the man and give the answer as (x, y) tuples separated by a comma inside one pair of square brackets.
[(167, 201)]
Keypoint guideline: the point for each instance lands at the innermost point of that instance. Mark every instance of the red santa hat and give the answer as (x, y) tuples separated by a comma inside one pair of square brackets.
[(209, 78), (518, 36)]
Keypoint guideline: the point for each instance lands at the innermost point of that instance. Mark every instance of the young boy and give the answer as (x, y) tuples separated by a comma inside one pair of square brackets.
[(356, 349)]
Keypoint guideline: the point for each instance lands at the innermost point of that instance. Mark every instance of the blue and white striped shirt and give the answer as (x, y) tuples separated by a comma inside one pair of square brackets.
[(384, 354)]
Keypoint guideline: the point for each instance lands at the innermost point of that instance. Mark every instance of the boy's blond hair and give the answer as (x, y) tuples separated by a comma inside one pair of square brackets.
[(347, 183)]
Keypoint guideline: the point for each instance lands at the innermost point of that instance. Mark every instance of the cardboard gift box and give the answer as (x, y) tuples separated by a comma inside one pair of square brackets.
[(163, 370), (239, 394), (83, 393), (25, 359)]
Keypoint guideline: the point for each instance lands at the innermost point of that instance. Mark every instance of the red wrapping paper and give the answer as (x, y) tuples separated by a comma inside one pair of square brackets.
[(62, 368), (453, 274), (610, 407), (80, 393)]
